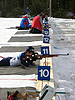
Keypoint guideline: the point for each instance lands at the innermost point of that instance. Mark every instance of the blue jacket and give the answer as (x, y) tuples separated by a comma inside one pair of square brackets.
[(28, 10), (24, 22)]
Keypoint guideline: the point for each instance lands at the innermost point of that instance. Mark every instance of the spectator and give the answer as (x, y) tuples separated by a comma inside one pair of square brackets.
[(43, 15), (28, 10)]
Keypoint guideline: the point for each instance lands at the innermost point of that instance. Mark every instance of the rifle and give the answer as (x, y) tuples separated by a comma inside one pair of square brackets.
[(46, 24), (44, 56)]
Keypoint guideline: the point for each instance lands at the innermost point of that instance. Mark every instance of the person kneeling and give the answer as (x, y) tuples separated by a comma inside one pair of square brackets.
[(37, 24), (24, 23)]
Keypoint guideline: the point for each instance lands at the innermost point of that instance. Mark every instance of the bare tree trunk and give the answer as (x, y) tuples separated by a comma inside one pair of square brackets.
[(5, 2), (2, 4), (34, 6), (24, 4)]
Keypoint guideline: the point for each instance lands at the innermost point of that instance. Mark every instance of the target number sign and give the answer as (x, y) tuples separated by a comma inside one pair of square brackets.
[(46, 32), (43, 72), (45, 50), (46, 39)]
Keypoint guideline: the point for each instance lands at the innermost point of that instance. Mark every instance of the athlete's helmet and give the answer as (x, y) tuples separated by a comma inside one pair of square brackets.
[(30, 49)]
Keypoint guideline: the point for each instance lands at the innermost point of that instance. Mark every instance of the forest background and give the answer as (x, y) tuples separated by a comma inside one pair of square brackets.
[(16, 8)]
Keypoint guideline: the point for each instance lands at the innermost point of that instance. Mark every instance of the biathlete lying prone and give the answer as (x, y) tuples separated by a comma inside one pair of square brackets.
[(20, 60)]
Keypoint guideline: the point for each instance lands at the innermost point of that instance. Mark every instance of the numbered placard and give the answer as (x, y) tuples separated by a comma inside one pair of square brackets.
[(46, 31), (46, 39), (43, 72), (45, 50)]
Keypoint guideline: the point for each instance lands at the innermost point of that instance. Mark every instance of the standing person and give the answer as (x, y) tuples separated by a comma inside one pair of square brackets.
[(46, 20), (19, 60), (24, 23), (37, 24), (43, 15), (28, 10)]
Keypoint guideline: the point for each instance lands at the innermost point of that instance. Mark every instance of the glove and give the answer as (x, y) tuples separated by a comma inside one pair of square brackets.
[(34, 58)]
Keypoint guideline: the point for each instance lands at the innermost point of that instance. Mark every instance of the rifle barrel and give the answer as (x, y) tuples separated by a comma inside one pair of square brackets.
[(60, 54)]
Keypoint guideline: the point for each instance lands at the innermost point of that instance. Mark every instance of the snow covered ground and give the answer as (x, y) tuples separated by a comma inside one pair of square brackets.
[(5, 33), (63, 67)]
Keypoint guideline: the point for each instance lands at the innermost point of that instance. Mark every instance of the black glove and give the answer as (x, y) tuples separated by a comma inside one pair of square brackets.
[(34, 58)]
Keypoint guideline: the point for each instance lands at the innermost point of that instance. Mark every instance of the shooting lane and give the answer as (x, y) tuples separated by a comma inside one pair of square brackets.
[(40, 84), (46, 62)]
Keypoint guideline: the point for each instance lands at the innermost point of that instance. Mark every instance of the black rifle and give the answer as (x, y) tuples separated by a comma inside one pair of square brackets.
[(37, 56)]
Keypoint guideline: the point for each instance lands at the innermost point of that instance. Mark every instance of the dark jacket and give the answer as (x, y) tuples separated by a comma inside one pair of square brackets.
[(24, 61)]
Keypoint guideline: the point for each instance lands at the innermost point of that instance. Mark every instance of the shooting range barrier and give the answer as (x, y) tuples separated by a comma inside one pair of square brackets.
[(46, 62)]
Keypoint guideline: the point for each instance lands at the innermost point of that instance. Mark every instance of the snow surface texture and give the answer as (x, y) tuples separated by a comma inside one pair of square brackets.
[(63, 66)]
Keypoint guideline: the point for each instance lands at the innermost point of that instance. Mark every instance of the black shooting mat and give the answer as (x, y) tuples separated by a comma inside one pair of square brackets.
[(25, 39), (17, 70), (18, 48), (22, 32), (5, 70)]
